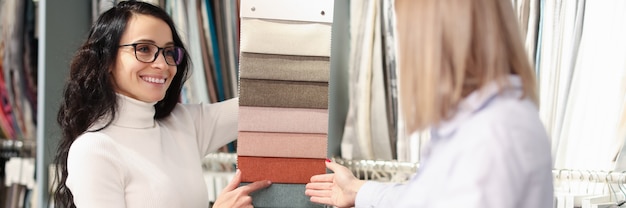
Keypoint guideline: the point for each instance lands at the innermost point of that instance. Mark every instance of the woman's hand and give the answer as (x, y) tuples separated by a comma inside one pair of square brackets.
[(235, 197), (336, 189)]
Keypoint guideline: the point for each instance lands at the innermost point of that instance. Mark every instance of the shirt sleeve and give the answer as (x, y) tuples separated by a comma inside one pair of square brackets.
[(377, 194), (473, 185), (486, 177), (217, 125), (94, 176), (493, 164)]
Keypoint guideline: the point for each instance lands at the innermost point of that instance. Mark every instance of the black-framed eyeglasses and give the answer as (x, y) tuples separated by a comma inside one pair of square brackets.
[(148, 53)]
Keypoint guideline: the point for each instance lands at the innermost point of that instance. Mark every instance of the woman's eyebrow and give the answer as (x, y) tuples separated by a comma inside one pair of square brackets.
[(171, 43)]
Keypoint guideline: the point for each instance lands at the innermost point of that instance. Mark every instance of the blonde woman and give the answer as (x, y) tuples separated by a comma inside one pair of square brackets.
[(465, 75)]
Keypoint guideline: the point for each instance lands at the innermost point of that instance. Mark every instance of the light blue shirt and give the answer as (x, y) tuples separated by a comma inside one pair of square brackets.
[(494, 152)]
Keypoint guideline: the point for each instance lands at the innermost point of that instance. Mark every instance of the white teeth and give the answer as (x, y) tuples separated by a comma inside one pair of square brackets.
[(154, 80)]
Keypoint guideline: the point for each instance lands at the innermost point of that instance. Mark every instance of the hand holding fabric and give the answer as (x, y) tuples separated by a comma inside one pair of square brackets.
[(336, 189), (239, 197)]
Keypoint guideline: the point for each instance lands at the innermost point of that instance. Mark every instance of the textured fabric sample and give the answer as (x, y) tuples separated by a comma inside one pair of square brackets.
[(279, 170), (284, 71), (280, 37), (284, 67), (294, 10), (289, 120), (286, 94), (267, 144), (282, 195)]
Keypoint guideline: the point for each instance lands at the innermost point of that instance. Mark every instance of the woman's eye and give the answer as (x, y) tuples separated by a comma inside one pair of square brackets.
[(143, 48), (170, 52)]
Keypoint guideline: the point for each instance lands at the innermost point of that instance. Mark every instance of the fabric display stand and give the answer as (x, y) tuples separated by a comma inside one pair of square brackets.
[(283, 96)]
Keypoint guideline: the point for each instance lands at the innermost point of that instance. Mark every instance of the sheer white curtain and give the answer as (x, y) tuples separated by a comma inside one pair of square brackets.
[(581, 68), (366, 132), (528, 17)]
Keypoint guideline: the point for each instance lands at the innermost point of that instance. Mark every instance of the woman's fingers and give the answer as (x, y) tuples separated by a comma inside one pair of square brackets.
[(318, 193), (234, 183), (335, 167), (247, 189), (319, 186), (323, 178)]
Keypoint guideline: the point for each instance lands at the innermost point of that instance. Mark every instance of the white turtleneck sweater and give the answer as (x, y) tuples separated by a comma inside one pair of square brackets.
[(138, 161)]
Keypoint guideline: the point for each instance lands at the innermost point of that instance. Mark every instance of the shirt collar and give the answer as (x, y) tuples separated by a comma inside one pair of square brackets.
[(474, 102)]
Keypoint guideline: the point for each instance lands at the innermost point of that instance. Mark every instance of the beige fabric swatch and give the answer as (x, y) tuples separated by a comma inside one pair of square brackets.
[(269, 144), (284, 67)]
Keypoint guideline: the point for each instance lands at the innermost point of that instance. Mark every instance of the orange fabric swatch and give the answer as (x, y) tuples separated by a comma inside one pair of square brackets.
[(270, 144), (279, 170)]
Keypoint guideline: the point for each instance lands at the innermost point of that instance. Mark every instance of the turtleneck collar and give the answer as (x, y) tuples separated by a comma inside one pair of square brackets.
[(133, 113)]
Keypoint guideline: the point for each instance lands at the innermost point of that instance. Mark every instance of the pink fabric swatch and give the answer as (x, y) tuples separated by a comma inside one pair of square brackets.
[(287, 120), (292, 145)]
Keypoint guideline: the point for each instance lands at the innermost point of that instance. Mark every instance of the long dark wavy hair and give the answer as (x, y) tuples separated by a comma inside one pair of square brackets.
[(89, 93)]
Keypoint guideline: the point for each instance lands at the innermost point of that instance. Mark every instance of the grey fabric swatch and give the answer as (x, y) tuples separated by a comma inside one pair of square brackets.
[(284, 67), (282, 195)]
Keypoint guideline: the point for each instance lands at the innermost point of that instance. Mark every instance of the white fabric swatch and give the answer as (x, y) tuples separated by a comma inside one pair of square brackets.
[(285, 37)]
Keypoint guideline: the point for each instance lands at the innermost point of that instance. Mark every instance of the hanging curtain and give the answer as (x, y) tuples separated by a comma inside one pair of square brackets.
[(528, 18), (366, 131), (210, 30), (18, 49), (581, 72)]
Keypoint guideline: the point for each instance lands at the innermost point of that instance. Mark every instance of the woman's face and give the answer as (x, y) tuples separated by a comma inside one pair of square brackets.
[(147, 82)]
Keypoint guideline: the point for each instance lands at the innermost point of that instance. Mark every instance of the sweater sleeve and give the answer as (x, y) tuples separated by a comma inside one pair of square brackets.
[(218, 125), (94, 176)]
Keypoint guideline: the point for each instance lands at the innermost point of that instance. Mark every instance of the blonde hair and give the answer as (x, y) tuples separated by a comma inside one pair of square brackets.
[(450, 48)]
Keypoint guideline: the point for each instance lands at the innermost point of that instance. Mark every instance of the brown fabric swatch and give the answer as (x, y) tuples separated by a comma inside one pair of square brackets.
[(279, 170), (285, 94), (288, 120), (270, 144), (284, 67)]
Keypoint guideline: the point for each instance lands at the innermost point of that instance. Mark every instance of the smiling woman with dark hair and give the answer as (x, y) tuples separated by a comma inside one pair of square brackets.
[(127, 141)]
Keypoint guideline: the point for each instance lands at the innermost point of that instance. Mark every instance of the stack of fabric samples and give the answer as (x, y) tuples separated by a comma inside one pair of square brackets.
[(284, 67)]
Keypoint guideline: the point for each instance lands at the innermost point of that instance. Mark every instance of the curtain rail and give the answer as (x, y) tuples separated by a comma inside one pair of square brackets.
[(391, 167)]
